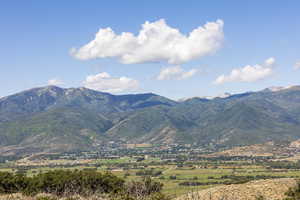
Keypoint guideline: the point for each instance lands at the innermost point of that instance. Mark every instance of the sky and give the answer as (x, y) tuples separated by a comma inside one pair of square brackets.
[(176, 49)]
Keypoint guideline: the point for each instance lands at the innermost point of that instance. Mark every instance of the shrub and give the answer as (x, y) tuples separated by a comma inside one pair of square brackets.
[(293, 193), (10, 183), (61, 182), (85, 183), (144, 188)]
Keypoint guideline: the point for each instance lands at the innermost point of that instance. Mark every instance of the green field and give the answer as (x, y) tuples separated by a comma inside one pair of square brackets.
[(207, 174)]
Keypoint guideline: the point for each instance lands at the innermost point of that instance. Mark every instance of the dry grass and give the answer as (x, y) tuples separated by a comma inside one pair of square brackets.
[(269, 189)]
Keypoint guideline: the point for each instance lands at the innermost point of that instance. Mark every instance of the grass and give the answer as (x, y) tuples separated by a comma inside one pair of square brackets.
[(197, 173), (171, 187)]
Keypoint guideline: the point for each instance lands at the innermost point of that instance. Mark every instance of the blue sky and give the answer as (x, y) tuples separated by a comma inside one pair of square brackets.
[(37, 37)]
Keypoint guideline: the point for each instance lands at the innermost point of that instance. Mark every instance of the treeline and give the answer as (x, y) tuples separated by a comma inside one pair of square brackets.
[(283, 165), (84, 183), (237, 158), (232, 180), (243, 179), (149, 172)]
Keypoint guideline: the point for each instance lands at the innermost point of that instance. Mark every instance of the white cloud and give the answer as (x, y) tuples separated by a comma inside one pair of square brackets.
[(105, 83), (270, 62), (55, 81), (175, 73), (248, 73), (297, 65), (155, 42)]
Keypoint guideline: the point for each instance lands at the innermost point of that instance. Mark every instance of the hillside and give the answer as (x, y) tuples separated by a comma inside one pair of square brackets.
[(273, 189), (53, 119), (269, 149)]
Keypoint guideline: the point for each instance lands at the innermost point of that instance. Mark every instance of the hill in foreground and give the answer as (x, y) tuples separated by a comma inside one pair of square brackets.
[(273, 189)]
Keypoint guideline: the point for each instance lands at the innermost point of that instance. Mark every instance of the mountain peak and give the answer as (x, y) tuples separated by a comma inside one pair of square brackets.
[(51, 90), (81, 118)]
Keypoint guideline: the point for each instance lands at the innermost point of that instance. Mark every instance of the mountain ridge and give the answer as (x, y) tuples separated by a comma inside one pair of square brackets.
[(55, 119)]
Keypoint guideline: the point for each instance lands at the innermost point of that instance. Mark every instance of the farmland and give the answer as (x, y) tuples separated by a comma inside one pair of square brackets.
[(178, 176)]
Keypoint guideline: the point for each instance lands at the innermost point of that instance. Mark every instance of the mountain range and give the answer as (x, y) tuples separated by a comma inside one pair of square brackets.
[(53, 119)]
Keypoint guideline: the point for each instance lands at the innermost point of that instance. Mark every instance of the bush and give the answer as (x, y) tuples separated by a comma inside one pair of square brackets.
[(144, 188), (60, 182), (10, 183), (87, 182), (293, 193), (68, 183)]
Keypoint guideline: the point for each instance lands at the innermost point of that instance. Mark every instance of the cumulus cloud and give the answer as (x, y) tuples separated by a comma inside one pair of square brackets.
[(105, 83), (248, 73), (55, 81), (155, 42), (297, 65), (175, 73)]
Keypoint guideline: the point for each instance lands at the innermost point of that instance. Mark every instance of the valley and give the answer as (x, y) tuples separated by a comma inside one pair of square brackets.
[(180, 168), (193, 145)]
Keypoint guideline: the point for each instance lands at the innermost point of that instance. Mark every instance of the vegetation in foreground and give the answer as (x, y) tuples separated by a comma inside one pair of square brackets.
[(255, 190), (178, 176), (92, 185), (83, 184)]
